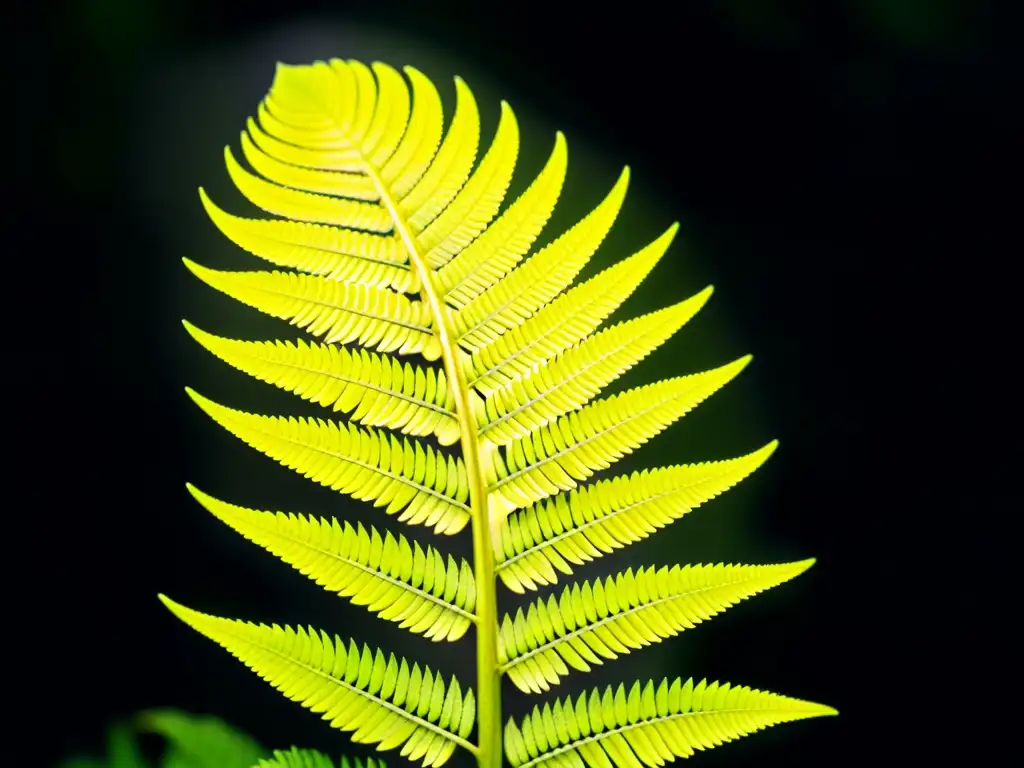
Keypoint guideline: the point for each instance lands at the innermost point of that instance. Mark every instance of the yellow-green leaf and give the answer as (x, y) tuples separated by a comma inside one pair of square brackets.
[(418, 588), (422, 486), (376, 698), (591, 622), (652, 725), (535, 544)]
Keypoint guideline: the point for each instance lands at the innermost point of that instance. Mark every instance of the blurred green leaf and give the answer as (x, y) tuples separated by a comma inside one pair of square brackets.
[(122, 749), (310, 758), (200, 741), (122, 752), (192, 742), (296, 758)]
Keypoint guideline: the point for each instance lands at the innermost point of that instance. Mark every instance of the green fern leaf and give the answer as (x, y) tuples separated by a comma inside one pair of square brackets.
[(576, 446), (355, 186), (336, 254), (402, 582), (565, 321), (306, 206), (573, 378), (342, 312), (648, 726), (593, 622), (422, 484), (390, 239), (533, 284), (382, 700), (375, 390), (310, 758), (490, 257), (477, 201), (534, 544)]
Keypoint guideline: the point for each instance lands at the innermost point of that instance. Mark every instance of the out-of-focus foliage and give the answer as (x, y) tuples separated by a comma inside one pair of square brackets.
[(191, 741), (309, 758)]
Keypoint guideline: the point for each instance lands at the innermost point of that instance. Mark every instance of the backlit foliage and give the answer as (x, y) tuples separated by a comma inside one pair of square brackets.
[(463, 374)]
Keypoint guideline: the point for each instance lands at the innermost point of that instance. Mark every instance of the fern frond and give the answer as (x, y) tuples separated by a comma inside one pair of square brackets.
[(422, 486), (298, 758), (589, 623), (419, 589), (355, 186), (375, 390), (310, 758), (341, 312), (501, 246), (413, 156), (579, 444), (381, 699), (535, 544), (390, 238), (649, 726), (569, 381), (306, 206), (568, 319), (338, 158), (336, 254), (450, 167), (542, 277), (477, 201)]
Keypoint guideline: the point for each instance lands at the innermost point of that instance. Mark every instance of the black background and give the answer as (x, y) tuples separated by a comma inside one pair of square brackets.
[(845, 174)]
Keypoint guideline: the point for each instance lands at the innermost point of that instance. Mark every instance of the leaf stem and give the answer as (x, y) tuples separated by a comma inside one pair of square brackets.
[(488, 678)]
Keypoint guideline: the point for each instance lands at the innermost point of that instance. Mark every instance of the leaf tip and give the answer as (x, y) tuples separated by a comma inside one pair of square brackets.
[(168, 603), (196, 397), (195, 493), (191, 329), (193, 267), (801, 566)]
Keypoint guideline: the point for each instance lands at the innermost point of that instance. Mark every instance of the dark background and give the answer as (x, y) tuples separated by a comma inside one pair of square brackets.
[(844, 174)]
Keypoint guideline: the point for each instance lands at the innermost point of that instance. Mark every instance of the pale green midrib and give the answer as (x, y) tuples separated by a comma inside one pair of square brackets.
[(365, 694), (566, 380), (488, 751), (654, 720), (387, 473), (359, 383), (575, 446), (615, 617), (598, 520), (440, 601)]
